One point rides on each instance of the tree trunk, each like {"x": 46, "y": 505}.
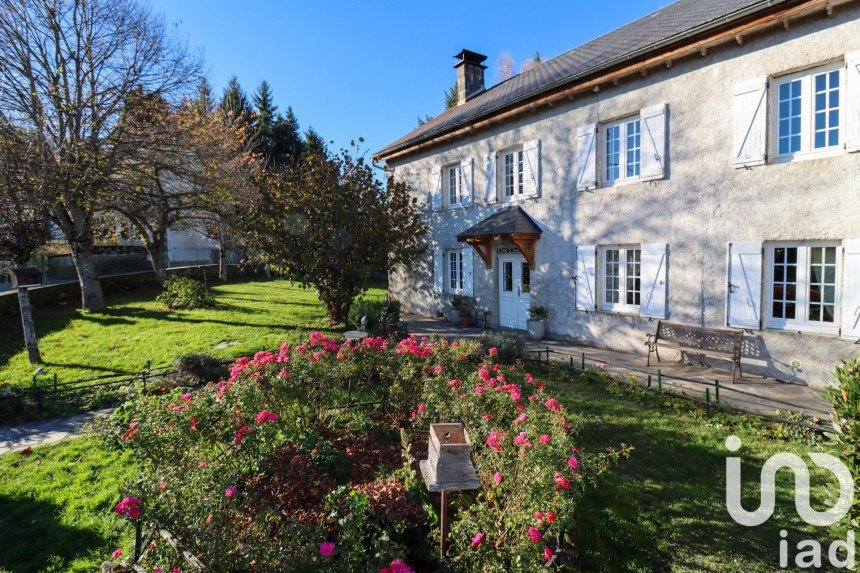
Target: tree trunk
{"x": 30, "y": 340}
{"x": 92, "y": 297}
{"x": 155, "y": 247}
{"x": 222, "y": 257}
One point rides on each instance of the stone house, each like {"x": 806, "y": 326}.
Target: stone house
{"x": 699, "y": 165}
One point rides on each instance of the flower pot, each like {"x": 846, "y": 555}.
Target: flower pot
{"x": 536, "y": 329}
{"x": 454, "y": 315}
{"x": 465, "y": 320}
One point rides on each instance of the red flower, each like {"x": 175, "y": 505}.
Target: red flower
{"x": 240, "y": 435}
{"x": 131, "y": 431}
{"x": 560, "y": 481}
{"x": 547, "y": 553}
{"x": 266, "y": 416}
{"x": 129, "y": 507}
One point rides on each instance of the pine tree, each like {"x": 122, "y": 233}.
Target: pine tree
{"x": 314, "y": 143}
{"x": 234, "y": 102}
{"x": 264, "y": 122}
{"x": 203, "y": 102}
{"x": 451, "y": 96}
{"x": 288, "y": 139}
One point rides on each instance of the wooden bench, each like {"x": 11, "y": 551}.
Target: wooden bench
{"x": 715, "y": 342}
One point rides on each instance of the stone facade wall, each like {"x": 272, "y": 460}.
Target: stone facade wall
{"x": 702, "y": 204}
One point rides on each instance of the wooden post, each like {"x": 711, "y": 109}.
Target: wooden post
{"x": 583, "y": 360}
{"x": 30, "y": 340}
{"x": 443, "y": 524}
{"x": 708, "y": 400}
{"x": 649, "y": 381}
{"x": 717, "y": 390}
{"x": 659, "y": 381}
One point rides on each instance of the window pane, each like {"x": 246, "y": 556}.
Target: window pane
{"x": 784, "y": 277}
{"x": 508, "y": 272}
{"x": 452, "y": 271}
{"x": 826, "y": 110}
{"x": 634, "y": 259}
{"x": 612, "y": 276}
{"x": 822, "y": 283}
{"x": 789, "y": 117}
{"x": 613, "y": 152}
{"x": 526, "y": 277}
{"x": 519, "y": 172}
{"x": 633, "y": 148}
{"x": 509, "y": 174}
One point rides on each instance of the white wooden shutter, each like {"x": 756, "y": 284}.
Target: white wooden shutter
{"x": 653, "y": 142}
{"x": 531, "y": 152}
{"x": 653, "y": 272}
{"x": 586, "y": 261}
{"x": 436, "y": 188}
{"x": 490, "y": 177}
{"x": 743, "y": 301}
{"x": 467, "y": 173}
{"x": 586, "y": 157}
{"x": 850, "y": 301}
{"x": 749, "y": 139}
{"x": 468, "y": 264}
{"x": 439, "y": 271}
{"x": 852, "y": 102}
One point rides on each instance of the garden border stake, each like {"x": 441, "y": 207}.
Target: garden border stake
{"x": 659, "y": 380}
{"x": 443, "y": 524}
{"x": 55, "y": 384}
{"x": 649, "y": 381}
{"x": 138, "y": 538}
{"x": 708, "y": 400}
{"x": 717, "y": 390}
{"x": 145, "y": 374}
{"x": 571, "y": 362}
{"x": 583, "y": 360}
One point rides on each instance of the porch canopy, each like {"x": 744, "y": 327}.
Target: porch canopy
{"x": 512, "y": 224}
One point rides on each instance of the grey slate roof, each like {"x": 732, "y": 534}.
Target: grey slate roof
{"x": 502, "y": 222}
{"x": 646, "y": 34}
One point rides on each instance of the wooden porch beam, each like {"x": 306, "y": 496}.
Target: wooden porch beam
{"x": 526, "y": 244}
{"x": 484, "y": 248}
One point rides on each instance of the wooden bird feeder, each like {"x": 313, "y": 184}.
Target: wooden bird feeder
{"x": 448, "y": 467}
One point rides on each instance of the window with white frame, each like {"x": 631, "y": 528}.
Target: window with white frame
{"x": 622, "y": 278}
{"x": 454, "y": 271}
{"x": 809, "y": 111}
{"x": 512, "y": 173}
{"x": 622, "y": 150}
{"x": 452, "y": 179}
{"x": 803, "y": 286}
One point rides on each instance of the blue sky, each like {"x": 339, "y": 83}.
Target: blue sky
{"x": 368, "y": 69}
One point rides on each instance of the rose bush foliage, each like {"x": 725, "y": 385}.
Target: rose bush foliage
{"x": 204, "y": 454}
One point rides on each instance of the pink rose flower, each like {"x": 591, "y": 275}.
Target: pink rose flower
{"x": 266, "y": 416}
{"x": 497, "y": 478}
{"x": 202, "y": 464}
{"x": 520, "y": 419}
{"x": 573, "y": 463}
{"x": 544, "y": 439}
{"x": 162, "y": 485}
{"x": 117, "y": 553}
{"x": 422, "y": 408}
{"x": 240, "y": 435}
{"x": 186, "y": 396}
{"x": 494, "y": 440}
{"x": 454, "y": 383}
{"x": 522, "y": 440}
{"x": 560, "y": 481}
{"x": 230, "y": 491}
{"x": 438, "y": 369}
{"x": 326, "y": 548}
{"x": 479, "y": 390}
{"x": 129, "y": 507}
{"x": 493, "y": 351}
{"x": 488, "y": 417}
{"x": 534, "y": 534}
{"x": 553, "y": 405}
{"x": 477, "y": 539}
{"x": 538, "y": 515}
{"x": 550, "y": 516}
{"x": 547, "y": 553}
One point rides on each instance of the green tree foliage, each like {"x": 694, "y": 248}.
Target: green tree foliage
{"x": 331, "y": 221}
{"x": 204, "y": 101}
{"x": 234, "y": 102}
{"x": 451, "y": 97}
{"x": 314, "y": 143}
{"x": 275, "y": 137}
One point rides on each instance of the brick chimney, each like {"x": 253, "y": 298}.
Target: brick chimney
{"x": 470, "y": 75}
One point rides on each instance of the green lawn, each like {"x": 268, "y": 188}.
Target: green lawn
{"x": 660, "y": 510}
{"x": 56, "y": 507}
{"x": 663, "y": 508}
{"x": 256, "y": 314}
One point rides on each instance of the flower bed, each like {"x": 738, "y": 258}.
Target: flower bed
{"x": 267, "y": 470}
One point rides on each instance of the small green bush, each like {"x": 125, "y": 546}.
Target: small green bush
{"x": 382, "y": 316}
{"x": 183, "y": 292}
{"x": 845, "y": 399}
{"x": 510, "y": 345}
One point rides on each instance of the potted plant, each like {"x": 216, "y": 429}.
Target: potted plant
{"x": 537, "y": 322}
{"x": 461, "y": 310}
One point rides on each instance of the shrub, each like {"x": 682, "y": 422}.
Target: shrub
{"x": 537, "y": 313}
{"x": 845, "y": 399}
{"x": 252, "y": 473}
{"x": 510, "y": 345}
{"x": 382, "y": 316}
{"x": 185, "y": 293}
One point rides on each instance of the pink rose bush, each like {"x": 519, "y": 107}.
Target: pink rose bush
{"x": 216, "y": 448}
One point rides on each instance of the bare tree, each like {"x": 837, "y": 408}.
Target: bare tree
{"x": 24, "y": 224}
{"x": 66, "y": 70}
{"x": 505, "y": 67}
{"x": 531, "y": 63}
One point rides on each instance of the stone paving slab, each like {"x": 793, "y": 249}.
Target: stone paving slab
{"x": 751, "y": 393}
{"x": 16, "y": 438}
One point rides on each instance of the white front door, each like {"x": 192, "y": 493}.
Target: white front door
{"x": 514, "y": 291}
